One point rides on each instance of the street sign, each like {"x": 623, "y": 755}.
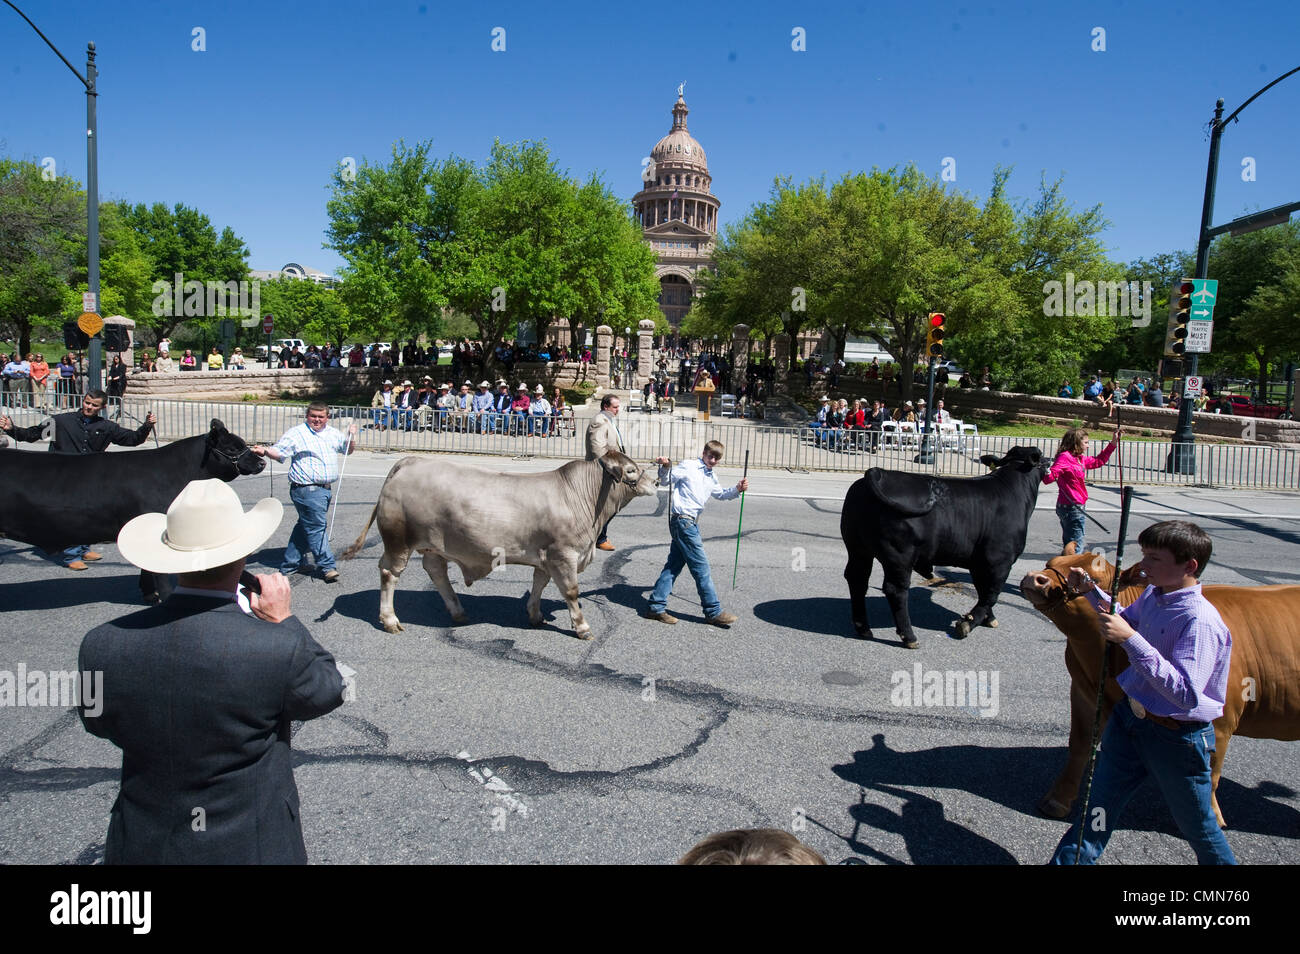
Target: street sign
{"x": 268, "y": 325}
{"x": 1204, "y": 293}
{"x": 1199, "y": 334}
{"x": 88, "y": 301}
{"x": 90, "y": 323}
{"x": 1193, "y": 386}
{"x": 227, "y": 328}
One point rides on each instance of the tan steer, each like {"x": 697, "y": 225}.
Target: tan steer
{"x": 1263, "y": 680}
{"x": 478, "y": 519}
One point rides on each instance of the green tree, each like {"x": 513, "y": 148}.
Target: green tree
{"x": 42, "y": 227}
{"x": 1252, "y": 333}
{"x": 183, "y": 241}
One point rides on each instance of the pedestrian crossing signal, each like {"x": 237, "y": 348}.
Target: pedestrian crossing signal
{"x": 934, "y": 340}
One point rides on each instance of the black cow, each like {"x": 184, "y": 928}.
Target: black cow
{"x": 54, "y": 501}
{"x": 912, "y": 521}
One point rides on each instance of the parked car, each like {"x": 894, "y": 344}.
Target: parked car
{"x": 1242, "y": 406}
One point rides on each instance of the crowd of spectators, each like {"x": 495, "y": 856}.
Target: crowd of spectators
{"x": 473, "y": 409}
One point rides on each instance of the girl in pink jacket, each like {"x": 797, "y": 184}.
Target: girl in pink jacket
{"x": 1071, "y": 491}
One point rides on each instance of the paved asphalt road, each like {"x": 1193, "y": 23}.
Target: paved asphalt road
{"x": 494, "y": 742}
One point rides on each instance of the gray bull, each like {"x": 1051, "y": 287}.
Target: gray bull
{"x": 477, "y": 519}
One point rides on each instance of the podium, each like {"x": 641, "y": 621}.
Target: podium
{"x": 703, "y": 393}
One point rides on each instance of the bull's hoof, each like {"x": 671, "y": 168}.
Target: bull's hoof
{"x": 961, "y": 629}
{"x": 863, "y": 630}
{"x": 909, "y": 640}
{"x": 1052, "y": 808}
{"x": 460, "y": 620}
{"x": 535, "y": 622}
{"x": 153, "y": 599}
{"x": 584, "y": 634}
{"x": 991, "y": 623}
{"x": 393, "y": 627}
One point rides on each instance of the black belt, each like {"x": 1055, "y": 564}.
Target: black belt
{"x": 326, "y": 486}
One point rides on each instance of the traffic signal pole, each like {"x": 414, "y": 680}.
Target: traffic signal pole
{"x": 1183, "y": 458}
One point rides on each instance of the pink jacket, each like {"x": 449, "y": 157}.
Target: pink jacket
{"x": 1068, "y": 470}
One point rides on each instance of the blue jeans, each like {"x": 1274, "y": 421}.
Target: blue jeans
{"x": 71, "y": 554}
{"x": 1071, "y": 517}
{"x": 1179, "y": 761}
{"x": 309, "y": 534}
{"x": 686, "y": 550}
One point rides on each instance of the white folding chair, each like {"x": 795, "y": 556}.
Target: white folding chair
{"x": 728, "y": 405}
{"x": 890, "y": 435}
{"x": 968, "y": 438}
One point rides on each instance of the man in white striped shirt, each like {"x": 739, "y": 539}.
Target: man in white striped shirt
{"x": 691, "y": 484}
{"x": 313, "y": 447}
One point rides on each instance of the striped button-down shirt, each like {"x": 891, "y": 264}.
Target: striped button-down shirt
{"x": 1178, "y": 660}
{"x": 314, "y": 457}
{"x": 692, "y": 485}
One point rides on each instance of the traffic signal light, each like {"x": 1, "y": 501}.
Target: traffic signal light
{"x": 1180, "y": 306}
{"x": 934, "y": 340}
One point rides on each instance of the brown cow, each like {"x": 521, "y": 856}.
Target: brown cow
{"x": 1263, "y": 698}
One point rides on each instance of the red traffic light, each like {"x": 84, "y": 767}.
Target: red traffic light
{"x": 937, "y": 320}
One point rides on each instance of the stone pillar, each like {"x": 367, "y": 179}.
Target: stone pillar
{"x": 644, "y": 350}
{"x": 604, "y": 339}
{"x": 781, "y": 384}
{"x": 739, "y": 355}
{"x": 128, "y": 356}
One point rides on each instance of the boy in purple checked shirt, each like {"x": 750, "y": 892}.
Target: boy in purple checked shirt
{"x": 1175, "y": 686}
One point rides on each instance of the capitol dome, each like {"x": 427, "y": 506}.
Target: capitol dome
{"x": 678, "y": 214}
{"x": 679, "y": 148}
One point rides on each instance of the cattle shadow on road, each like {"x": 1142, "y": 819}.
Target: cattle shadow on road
{"x": 1015, "y": 777}
{"x": 63, "y": 591}
{"x": 424, "y": 607}
{"x": 831, "y": 616}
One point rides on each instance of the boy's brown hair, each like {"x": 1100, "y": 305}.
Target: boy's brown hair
{"x": 713, "y": 447}
{"x": 752, "y": 846}
{"x": 1185, "y": 540}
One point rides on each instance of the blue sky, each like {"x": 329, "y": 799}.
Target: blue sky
{"x": 250, "y": 129}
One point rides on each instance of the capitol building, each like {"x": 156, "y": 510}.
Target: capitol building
{"x": 678, "y": 214}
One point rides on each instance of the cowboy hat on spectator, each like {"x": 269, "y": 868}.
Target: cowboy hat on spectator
{"x": 205, "y": 527}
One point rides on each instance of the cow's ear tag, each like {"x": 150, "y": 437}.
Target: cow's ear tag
{"x": 1098, "y": 564}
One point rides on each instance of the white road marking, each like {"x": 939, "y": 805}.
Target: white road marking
{"x": 496, "y": 785}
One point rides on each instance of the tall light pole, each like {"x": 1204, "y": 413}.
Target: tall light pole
{"x": 92, "y": 187}
{"x": 1182, "y": 459}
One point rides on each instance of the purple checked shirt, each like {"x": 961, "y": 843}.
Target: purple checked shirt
{"x": 1178, "y": 660}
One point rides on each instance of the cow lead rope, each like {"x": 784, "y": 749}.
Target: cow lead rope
{"x": 1126, "y": 497}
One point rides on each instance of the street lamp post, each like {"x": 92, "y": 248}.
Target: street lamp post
{"x": 1183, "y": 457}
{"x": 92, "y": 187}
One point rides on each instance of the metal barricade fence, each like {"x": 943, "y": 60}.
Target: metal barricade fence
{"x": 647, "y": 436}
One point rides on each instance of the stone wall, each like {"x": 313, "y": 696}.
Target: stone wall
{"x": 358, "y": 383}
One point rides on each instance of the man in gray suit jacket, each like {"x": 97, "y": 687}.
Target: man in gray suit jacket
{"x": 603, "y": 435}
{"x": 199, "y": 695}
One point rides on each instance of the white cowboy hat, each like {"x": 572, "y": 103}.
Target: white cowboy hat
{"x": 484, "y": 384}
{"x": 388, "y": 383}
{"x": 522, "y": 387}
{"x": 406, "y": 383}
{"x": 205, "y": 527}
{"x": 539, "y": 390}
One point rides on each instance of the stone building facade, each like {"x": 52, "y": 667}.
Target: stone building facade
{"x": 678, "y": 213}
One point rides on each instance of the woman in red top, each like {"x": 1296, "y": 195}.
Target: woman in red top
{"x": 1071, "y": 491}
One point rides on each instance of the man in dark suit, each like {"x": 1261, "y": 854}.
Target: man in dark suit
{"x": 199, "y": 695}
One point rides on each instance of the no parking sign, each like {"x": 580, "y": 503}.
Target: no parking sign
{"x": 1193, "y": 386}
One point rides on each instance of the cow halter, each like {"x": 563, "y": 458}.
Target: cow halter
{"x": 211, "y": 448}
